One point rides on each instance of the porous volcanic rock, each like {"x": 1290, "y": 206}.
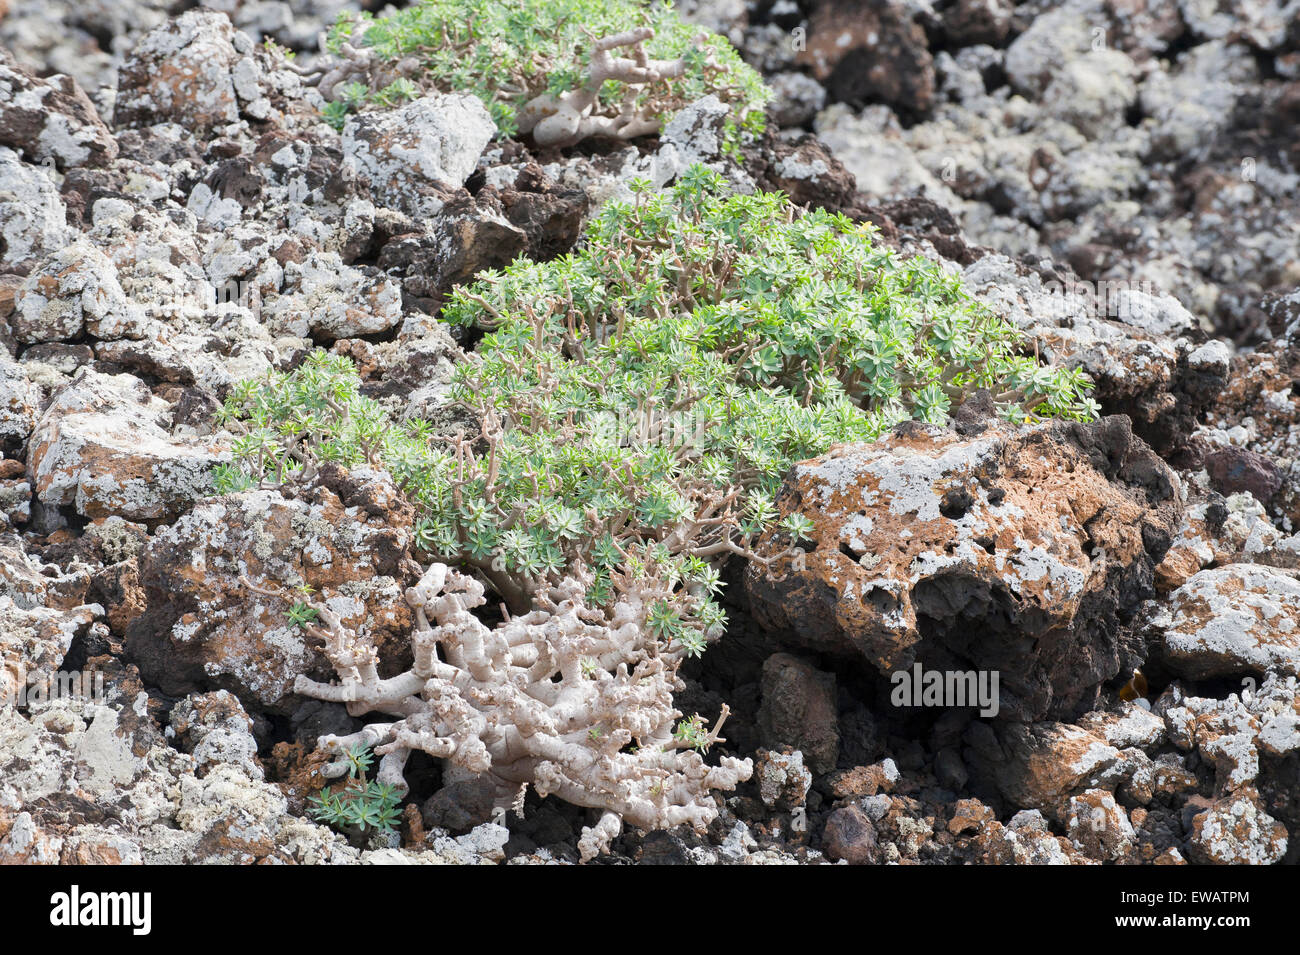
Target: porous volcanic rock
{"x": 463, "y": 239}
{"x": 849, "y": 835}
{"x": 326, "y": 298}
{"x": 1018, "y": 551}
{"x": 73, "y": 291}
{"x": 1099, "y": 827}
{"x": 19, "y": 401}
{"x": 1025, "y": 840}
{"x": 1219, "y": 531}
{"x": 88, "y": 783}
{"x": 1226, "y": 621}
{"x": 1237, "y": 831}
{"x": 34, "y": 641}
{"x": 870, "y": 52}
{"x": 1122, "y": 339}
{"x": 33, "y": 218}
{"x": 1042, "y": 765}
{"x": 102, "y": 448}
{"x": 51, "y": 119}
{"x": 205, "y": 629}
{"x": 783, "y": 780}
{"x": 195, "y": 70}
{"x": 32, "y": 583}
{"x": 1249, "y": 438}
{"x": 799, "y": 710}
{"x": 406, "y": 154}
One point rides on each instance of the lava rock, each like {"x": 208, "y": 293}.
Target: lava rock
{"x": 850, "y": 836}
{"x": 798, "y": 710}
{"x": 1013, "y": 551}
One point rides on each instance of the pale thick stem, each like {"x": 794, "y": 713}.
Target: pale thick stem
{"x": 572, "y": 701}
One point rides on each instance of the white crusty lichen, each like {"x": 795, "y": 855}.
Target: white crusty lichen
{"x": 573, "y": 700}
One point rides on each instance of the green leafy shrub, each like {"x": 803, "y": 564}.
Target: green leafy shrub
{"x": 525, "y": 52}
{"x": 357, "y": 805}
{"x": 302, "y": 614}
{"x": 642, "y": 399}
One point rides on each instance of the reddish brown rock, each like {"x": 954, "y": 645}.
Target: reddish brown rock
{"x": 99, "y": 848}
{"x": 1099, "y": 827}
{"x": 799, "y": 710}
{"x": 849, "y": 835}
{"x": 864, "y": 780}
{"x": 1231, "y": 620}
{"x": 1217, "y": 531}
{"x": 26, "y": 843}
{"x": 299, "y": 772}
{"x": 1041, "y": 765}
{"x": 118, "y": 588}
{"x": 100, "y": 448}
{"x": 808, "y": 172}
{"x": 1233, "y": 469}
{"x": 870, "y": 52}
{"x": 1025, "y": 840}
{"x": 182, "y": 72}
{"x": 467, "y": 236}
{"x": 971, "y": 22}
{"x": 204, "y": 628}
{"x": 1236, "y": 830}
{"x": 969, "y": 815}
{"x": 1013, "y": 551}
{"x": 551, "y": 217}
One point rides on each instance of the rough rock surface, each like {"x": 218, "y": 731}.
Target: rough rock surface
{"x": 205, "y": 628}
{"x": 783, "y": 780}
{"x": 73, "y": 292}
{"x": 51, "y": 119}
{"x": 1016, "y": 551}
{"x": 405, "y": 154}
{"x": 102, "y": 448}
{"x": 33, "y": 219}
{"x": 19, "y": 402}
{"x": 33, "y": 642}
{"x": 1141, "y": 349}
{"x": 195, "y": 70}
{"x": 1219, "y": 530}
{"x": 849, "y": 835}
{"x": 799, "y": 710}
{"x": 1070, "y": 131}
{"x": 95, "y": 784}
{"x": 1227, "y": 621}
{"x": 333, "y": 300}
{"x": 1235, "y": 831}
{"x": 870, "y": 52}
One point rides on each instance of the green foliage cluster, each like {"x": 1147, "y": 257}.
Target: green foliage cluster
{"x": 302, "y": 614}
{"x": 642, "y": 399}
{"x": 356, "y": 804}
{"x": 509, "y": 53}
